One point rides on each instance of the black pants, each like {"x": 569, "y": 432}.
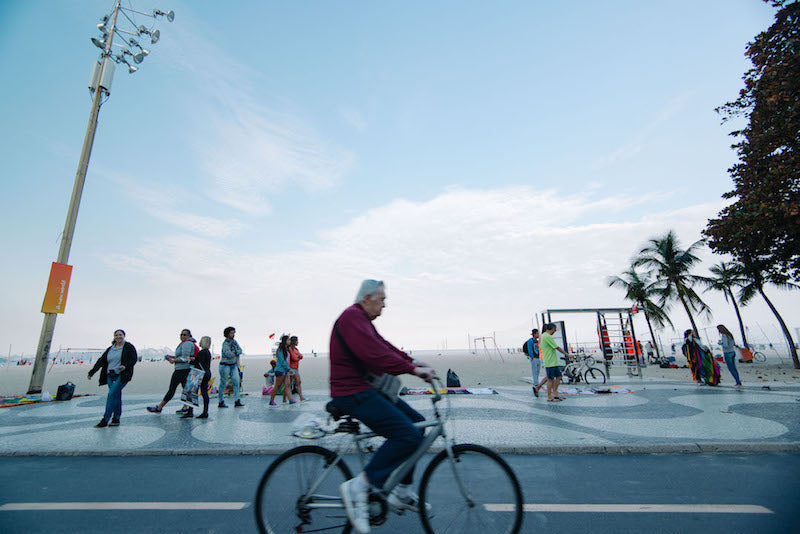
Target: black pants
{"x": 179, "y": 376}
{"x": 204, "y": 390}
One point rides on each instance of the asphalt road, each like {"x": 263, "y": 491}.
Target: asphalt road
{"x": 564, "y": 493}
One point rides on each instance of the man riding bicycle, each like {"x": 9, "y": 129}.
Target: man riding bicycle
{"x": 356, "y": 349}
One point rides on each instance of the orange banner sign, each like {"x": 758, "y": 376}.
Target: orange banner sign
{"x": 55, "y": 299}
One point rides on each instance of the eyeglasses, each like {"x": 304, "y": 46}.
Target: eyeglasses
{"x": 184, "y": 334}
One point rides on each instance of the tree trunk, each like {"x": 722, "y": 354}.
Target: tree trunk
{"x": 792, "y": 349}
{"x": 739, "y": 316}
{"x": 691, "y": 319}
{"x": 652, "y": 336}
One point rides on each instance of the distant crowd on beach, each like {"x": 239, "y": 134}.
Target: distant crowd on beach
{"x": 117, "y": 362}
{"x": 542, "y": 350}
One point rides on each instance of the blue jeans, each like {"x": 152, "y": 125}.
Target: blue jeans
{"x": 536, "y": 365}
{"x": 730, "y": 361}
{"x": 395, "y": 422}
{"x": 114, "y": 398}
{"x": 226, "y": 372}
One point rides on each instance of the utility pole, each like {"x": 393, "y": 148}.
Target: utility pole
{"x": 102, "y": 74}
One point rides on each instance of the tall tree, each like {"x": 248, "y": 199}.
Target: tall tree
{"x": 641, "y": 292}
{"x": 754, "y": 284}
{"x": 671, "y": 267}
{"x": 763, "y": 224}
{"x": 727, "y": 277}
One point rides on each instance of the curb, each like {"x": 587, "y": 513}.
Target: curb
{"x": 663, "y": 448}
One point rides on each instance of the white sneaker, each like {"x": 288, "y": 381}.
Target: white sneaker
{"x": 355, "y": 504}
{"x": 409, "y": 502}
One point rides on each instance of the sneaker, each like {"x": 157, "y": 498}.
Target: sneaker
{"x": 238, "y": 404}
{"x": 102, "y": 424}
{"x": 409, "y": 502}
{"x": 536, "y": 391}
{"x": 292, "y": 401}
{"x": 154, "y": 409}
{"x": 114, "y": 422}
{"x": 355, "y": 504}
{"x": 273, "y": 403}
{"x": 188, "y": 414}
{"x": 203, "y": 416}
{"x": 222, "y": 405}
{"x": 182, "y": 410}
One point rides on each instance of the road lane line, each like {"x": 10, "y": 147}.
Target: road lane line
{"x": 638, "y": 508}
{"x": 123, "y": 506}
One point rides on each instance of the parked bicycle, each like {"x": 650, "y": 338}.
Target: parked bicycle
{"x": 582, "y": 368}
{"x": 464, "y": 486}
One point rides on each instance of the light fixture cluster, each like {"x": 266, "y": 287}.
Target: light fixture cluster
{"x": 109, "y": 27}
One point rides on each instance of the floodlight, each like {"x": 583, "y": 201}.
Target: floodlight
{"x": 155, "y": 36}
{"x": 102, "y": 27}
{"x": 138, "y": 58}
{"x": 169, "y": 14}
{"x": 131, "y": 69}
{"x": 98, "y": 43}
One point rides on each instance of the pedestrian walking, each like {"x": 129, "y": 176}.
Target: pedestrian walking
{"x": 116, "y": 370}
{"x": 184, "y": 355}
{"x": 229, "y": 367}
{"x": 202, "y": 362}
{"x": 294, "y": 367}
{"x": 549, "y": 349}
{"x": 534, "y": 355}
{"x": 729, "y": 353}
{"x": 282, "y": 373}
{"x": 705, "y": 370}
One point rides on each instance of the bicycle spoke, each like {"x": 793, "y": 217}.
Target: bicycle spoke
{"x": 452, "y": 511}
{"x": 292, "y": 488}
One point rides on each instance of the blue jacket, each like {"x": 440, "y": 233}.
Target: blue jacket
{"x": 230, "y": 352}
{"x": 184, "y": 352}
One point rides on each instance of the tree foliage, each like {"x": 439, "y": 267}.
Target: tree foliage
{"x": 763, "y": 224}
{"x": 671, "y": 266}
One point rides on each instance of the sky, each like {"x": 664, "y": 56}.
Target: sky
{"x": 487, "y": 160}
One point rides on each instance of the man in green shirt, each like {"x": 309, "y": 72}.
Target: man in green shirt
{"x": 550, "y": 351}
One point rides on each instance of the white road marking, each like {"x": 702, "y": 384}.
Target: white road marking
{"x": 123, "y": 506}
{"x": 638, "y": 508}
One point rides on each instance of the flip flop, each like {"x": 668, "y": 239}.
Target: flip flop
{"x": 535, "y": 392}
{"x": 559, "y": 398}
{"x": 554, "y": 400}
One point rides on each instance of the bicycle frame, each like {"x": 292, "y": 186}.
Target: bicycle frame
{"x": 437, "y": 430}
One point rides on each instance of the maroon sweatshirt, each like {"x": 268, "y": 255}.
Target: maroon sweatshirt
{"x": 375, "y": 354}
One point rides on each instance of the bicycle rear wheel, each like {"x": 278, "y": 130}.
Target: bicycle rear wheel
{"x": 593, "y": 375}
{"x": 477, "y": 493}
{"x": 284, "y": 502}
{"x": 759, "y": 356}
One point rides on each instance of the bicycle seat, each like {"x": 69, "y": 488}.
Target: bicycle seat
{"x": 335, "y": 412}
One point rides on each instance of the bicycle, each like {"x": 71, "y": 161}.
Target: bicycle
{"x": 463, "y": 485}
{"x": 583, "y": 368}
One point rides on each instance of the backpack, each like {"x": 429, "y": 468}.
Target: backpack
{"x": 65, "y": 391}
{"x": 525, "y": 349}
{"x": 452, "y": 379}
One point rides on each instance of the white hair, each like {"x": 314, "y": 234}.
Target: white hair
{"x": 369, "y": 287}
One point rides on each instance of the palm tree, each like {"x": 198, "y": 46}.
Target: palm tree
{"x": 670, "y": 266}
{"x": 728, "y": 275}
{"x": 754, "y": 284}
{"x": 640, "y": 291}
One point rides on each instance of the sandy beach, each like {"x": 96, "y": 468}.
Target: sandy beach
{"x": 473, "y": 370}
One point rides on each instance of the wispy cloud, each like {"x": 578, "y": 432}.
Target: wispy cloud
{"x": 163, "y": 203}
{"x": 450, "y": 261}
{"x": 638, "y": 140}
{"x": 249, "y": 150}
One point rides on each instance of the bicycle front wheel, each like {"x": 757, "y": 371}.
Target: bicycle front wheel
{"x": 299, "y": 492}
{"x": 759, "y": 356}
{"x": 593, "y": 375}
{"x": 478, "y": 492}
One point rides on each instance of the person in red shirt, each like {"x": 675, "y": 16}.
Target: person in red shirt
{"x": 294, "y": 366}
{"x": 356, "y": 348}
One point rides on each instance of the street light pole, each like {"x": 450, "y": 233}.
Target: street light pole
{"x": 49, "y": 322}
